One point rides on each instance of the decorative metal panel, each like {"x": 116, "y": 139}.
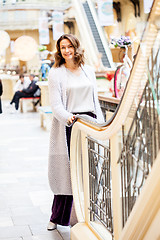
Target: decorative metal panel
{"x": 100, "y": 183}
{"x": 142, "y": 143}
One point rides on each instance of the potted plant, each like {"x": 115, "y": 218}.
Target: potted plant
{"x": 120, "y": 47}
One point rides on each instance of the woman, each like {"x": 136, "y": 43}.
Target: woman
{"x": 1, "y": 91}
{"x": 72, "y": 90}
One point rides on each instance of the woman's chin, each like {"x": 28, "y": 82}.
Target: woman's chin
{"x": 69, "y": 57}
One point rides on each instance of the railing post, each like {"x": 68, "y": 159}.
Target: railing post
{"x": 85, "y": 176}
{"x": 116, "y": 193}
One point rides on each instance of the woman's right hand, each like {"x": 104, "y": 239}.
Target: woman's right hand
{"x": 71, "y": 119}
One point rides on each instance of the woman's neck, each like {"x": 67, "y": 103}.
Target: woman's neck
{"x": 71, "y": 65}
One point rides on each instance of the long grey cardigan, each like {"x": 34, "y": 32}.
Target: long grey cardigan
{"x": 59, "y": 166}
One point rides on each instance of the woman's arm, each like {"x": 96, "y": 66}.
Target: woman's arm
{"x": 55, "y": 96}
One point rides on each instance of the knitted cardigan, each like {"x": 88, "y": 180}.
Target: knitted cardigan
{"x": 58, "y": 164}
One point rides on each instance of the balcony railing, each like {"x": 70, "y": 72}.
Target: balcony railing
{"x": 35, "y": 4}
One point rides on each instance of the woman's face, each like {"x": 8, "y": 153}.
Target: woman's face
{"x": 67, "y": 49}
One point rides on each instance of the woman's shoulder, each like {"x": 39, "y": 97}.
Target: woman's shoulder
{"x": 56, "y": 74}
{"x": 54, "y": 71}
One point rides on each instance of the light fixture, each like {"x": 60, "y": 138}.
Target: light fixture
{"x": 25, "y": 48}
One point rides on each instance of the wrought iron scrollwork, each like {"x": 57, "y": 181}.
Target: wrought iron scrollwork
{"x": 142, "y": 143}
{"x": 100, "y": 183}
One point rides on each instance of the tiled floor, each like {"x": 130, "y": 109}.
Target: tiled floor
{"x": 25, "y": 196}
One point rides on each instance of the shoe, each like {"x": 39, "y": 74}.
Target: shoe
{"x": 51, "y": 226}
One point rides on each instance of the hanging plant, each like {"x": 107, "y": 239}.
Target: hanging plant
{"x": 122, "y": 41}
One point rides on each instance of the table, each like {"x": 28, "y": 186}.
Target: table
{"x": 43, "y": 85}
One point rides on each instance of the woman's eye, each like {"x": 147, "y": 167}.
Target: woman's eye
{"x": 70, "y": 46}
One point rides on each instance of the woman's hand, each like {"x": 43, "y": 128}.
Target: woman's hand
{"x": 71, "y": 119}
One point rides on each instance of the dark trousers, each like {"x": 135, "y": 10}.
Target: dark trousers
{"x": 62, "y": 204}
{"x": 61, "y": 209}
{"x": 17, "y": 97}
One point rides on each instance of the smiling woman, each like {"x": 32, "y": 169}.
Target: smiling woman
{"x": 72, "y": 91}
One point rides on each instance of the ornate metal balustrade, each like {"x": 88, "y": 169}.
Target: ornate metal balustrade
{"x": 141, "y": 145}
{"x": 100, "y": 183}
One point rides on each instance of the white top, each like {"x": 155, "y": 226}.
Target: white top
{"x": 20, "y": 86}
{"x": 58, "y": 163}
{"x": 79, "y": 93}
